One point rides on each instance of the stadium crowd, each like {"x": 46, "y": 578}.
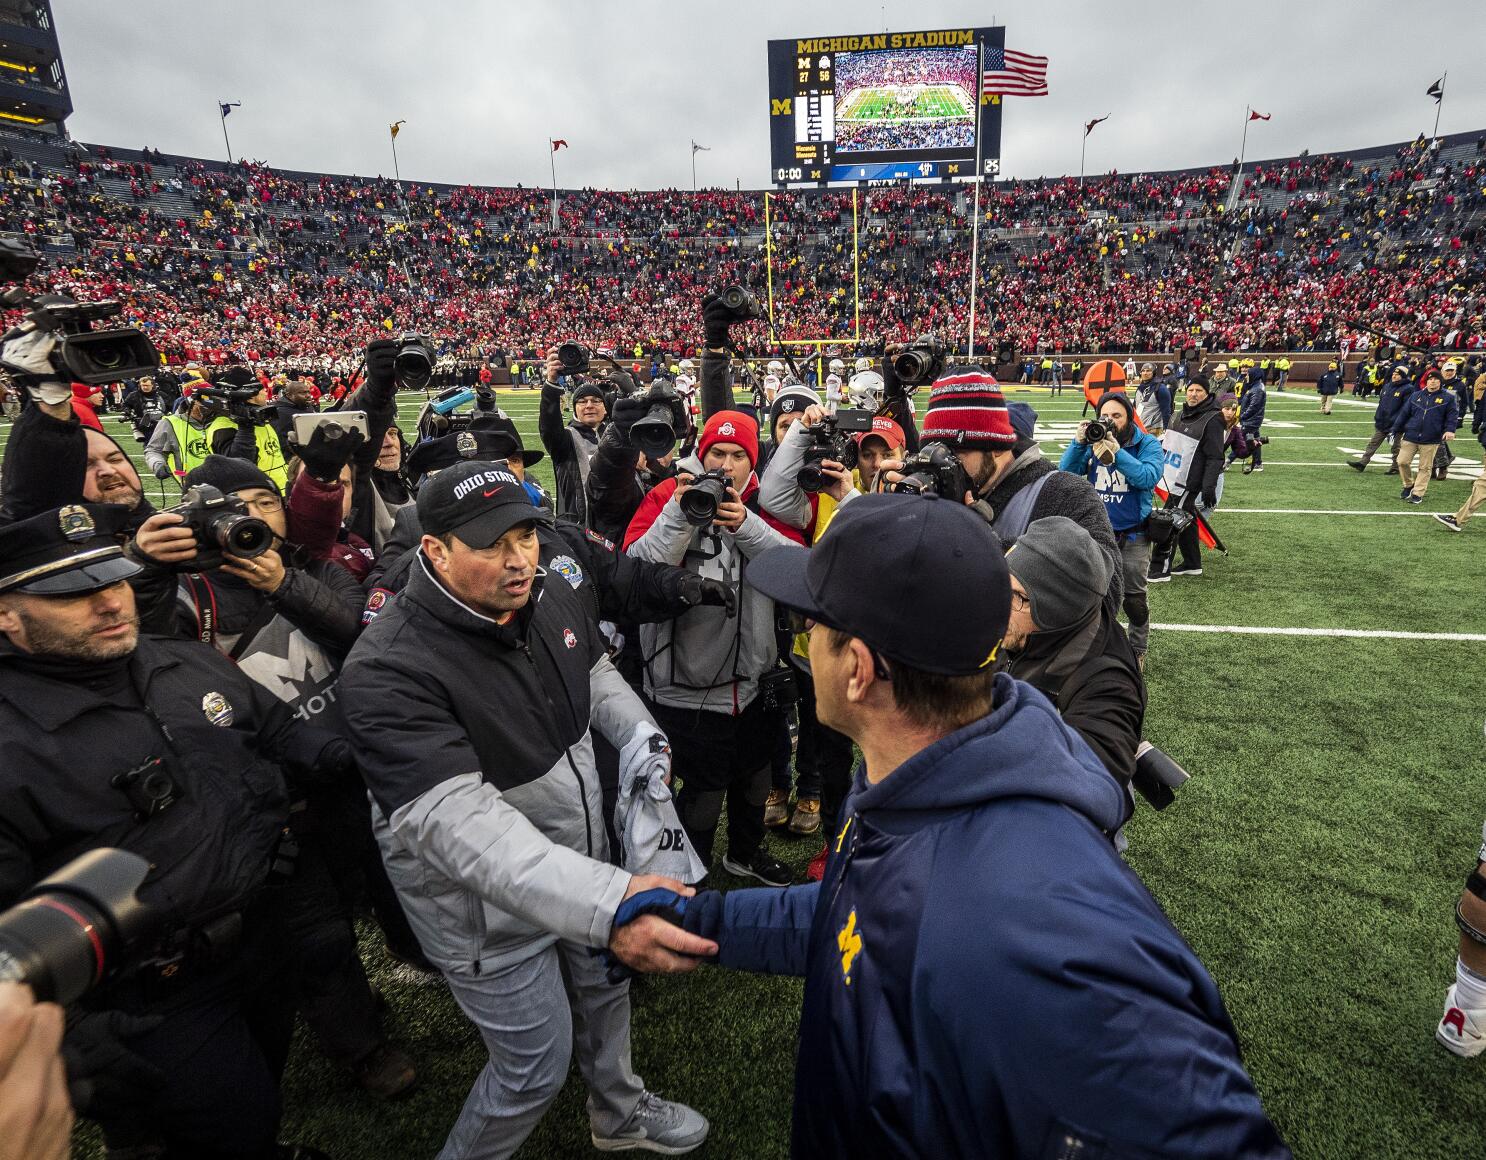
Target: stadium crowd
{"x": 246, "y": 263}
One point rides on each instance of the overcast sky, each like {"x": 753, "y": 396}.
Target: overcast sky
{"x": 628, "y": 84}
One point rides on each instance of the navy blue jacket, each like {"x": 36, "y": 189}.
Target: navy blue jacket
{"x": 1330, "y": 383}
{"x": 984, "y": 976}
{"x": 1392, "y": 400}
{"x": 1251, "y": 406}
{"x": 1427, "y": 416}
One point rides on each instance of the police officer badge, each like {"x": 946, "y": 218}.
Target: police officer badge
{"x": 466, "y": 445}
{"x": 76, "y": 523}
{"x": 568, "y": 568}
{"x": 218, "y": 709}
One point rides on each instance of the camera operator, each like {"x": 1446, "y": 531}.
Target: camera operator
{"x": 1193, "y": 478}
{"x": 571, "y": 446}
{"x": 1153, "y": 399}
{"x": 620, "y": 474}
{"x": 143, "y": 408}
{"x": 181, "y": 441}
{"x": 485, "y": 806}
{"x": 703, "y": 670}
{"x": 167, "y": 750}
{"x": 973, "y": 800}
{"x": 1123, "y": 464}
{"x": 294, "y": 399}
{"x": 1005, "y": 475}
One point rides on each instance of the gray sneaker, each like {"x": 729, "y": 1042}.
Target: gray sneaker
{"x": 657, "y": 1125}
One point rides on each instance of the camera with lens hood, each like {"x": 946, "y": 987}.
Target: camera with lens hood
{"x": 412, "y": 366}
{"x": 934, "y": 469}
{"x": 742, "y": 304}
{"x": 832, "y": 439}
{"x": 222, "y": 526}
{"x": 700, "y": 501}
{"x": 1096, "y": 430}
{"x": 574, "y": 358}
{"x": 654, "y": 433}
{"x": 70, "y": 931}
{"x": 922, "y": 362}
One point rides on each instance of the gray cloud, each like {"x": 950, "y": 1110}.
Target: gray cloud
{"x": 484, "y": 83}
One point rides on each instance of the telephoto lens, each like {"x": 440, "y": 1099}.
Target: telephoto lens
{"x": 741, "y": 303}
{"x": 413, "y": 365}
{"x": 72, "y": 928}
{"x": 574, "y": 358}
{"x": 699, "y": 502}
{"x": 1157, "y": 776}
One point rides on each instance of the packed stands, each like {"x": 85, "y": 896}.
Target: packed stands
{"x": 223, "y": 263}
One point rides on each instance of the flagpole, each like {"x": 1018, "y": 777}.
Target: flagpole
{"x": 407, "y": 218}
{"x": 223, "y": 106}
{"x": 693, "y": 167}
{"x": 980, "y": 84}
{"x": 1244, "y": 145}
{"x": 1082, "y": 153}
{"x": 1438, "y": 105}
{"x": 552, "y": 158}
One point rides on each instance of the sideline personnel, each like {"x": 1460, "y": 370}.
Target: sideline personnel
{"x": 1074, "y": 1021}
{"x": 471, "y": 701}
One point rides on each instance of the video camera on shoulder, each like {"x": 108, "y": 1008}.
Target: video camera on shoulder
{"x": 922, "y": 362}
{"x": 832, "y": 439}
{"x": 934, "y": 469}
{"x": 56, "y": 339}
{"x": 222, "y": 527}
{"x": 71, "y": 929}
{"x": 233, "y": 401}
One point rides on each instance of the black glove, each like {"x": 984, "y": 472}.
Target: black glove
{"x": 163, "y": 471}
{"x": 697, "y": 590}
{"x": 623, "y": 383}
{"x": 716, "y": 318}
{"x": 104, "y": 1078}
{"x": 381, "y": 377}
{"x": 626, "y": 413}
{"x": 329, "y": 450}
{"x": 1209, "y": 499}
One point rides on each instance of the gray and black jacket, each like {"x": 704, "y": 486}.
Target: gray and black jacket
{"x": 474, "y": 739}
{"x": 571, "y": 447}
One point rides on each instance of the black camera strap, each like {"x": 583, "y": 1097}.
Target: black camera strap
{"x": 207, "y": 617}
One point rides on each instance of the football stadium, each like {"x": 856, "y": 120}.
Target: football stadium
{"x": 500, "y": 669}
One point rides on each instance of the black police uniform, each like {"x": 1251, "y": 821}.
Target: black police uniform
{"x": 173, "y": 754}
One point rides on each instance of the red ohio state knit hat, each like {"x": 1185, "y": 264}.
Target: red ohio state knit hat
{"x": 967, "y": 409}
{"x": 730, "y": 427}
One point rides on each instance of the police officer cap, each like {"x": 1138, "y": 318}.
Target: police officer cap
{"x": 487, "y": 437}
{"x": 68, "y": 551}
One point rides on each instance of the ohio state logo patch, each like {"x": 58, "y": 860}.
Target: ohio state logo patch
{"x": 727, "y": 429}
{"x": 569, "y": 638}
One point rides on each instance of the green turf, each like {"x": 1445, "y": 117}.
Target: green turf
{"x": 882, "y": 104}
{"x": 1312, "y": 861}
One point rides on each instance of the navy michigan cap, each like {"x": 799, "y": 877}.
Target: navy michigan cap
{"x": 67, "y": 551}
{"x": 920, "y": 579}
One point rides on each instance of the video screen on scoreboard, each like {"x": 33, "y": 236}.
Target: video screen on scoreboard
{"x": 881, "y": 106}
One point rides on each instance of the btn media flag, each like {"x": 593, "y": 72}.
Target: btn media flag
{"x": 1013, "y": 74}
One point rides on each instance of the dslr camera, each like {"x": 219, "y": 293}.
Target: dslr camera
{"x": 413, "y": 364}
{"x": 922, "y": 362}
{"x": 654, "y": 434}
{"x": 574, "y": 358}
{"x": 1095, "y": 431}
{"x": 741, "y": 303}
{"x": 832, "y": 439}
{"x": 934, "y": 469}
{"x": 233, "y": 402}
{"x": 68, "y": 932}
{"x": 699, "y": 502}
{"x": 222, "y": 527}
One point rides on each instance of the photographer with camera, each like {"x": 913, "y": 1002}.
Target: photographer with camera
{"x": 722, "y": 310}
{"x": 971, "y": 451}
{"x": 974, "y": 913}
{"x": 627, "y": 464}
{"x": 1153, "y": 398}
{"x": 1193, "y": 478}
{"x": 295, "y": 398}
{"x": 703, "y": 670}
{"x": 144, "y": 407}
{"x": 1124, "y": 465}
{"x": 182, "y": 440}
{"x": 571, "y": 445}
{"x": 170, "y": 751}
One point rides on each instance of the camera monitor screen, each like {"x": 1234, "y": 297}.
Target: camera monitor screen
{"x": 884, "y": 106}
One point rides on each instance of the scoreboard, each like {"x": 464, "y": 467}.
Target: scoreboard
{"x": 882, "y": 106}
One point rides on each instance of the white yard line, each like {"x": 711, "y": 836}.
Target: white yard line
{"x": 1228, "y": 511}
{"x": 1358, "y": 633}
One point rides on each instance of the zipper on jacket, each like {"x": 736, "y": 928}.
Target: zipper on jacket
{"x": 566, "y": 752}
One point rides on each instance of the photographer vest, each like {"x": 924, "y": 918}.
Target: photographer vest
{"x": 194, "y": 443}
{"x": 1179, "y": 444}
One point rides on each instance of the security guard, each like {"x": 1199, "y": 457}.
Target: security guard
{"x": 164, "y": 748}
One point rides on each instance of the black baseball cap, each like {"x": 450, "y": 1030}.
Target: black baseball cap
{"x": 67, "y": 551}
{"x": 920, "y": 579}
{"x": 479, "y": 502}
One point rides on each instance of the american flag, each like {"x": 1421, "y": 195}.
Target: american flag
{"x": 1014, "y": 74}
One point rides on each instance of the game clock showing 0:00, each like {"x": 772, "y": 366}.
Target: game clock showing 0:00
{"x": 885, "y": 106}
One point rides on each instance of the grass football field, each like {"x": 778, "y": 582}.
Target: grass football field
{"x": 1313, "y": 861}
{"x": 882, "y": 104}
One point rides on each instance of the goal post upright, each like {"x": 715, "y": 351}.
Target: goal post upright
{"x": 856, "y": 280}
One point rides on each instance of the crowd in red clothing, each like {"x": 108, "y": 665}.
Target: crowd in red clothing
{"x": 250, "y": 263}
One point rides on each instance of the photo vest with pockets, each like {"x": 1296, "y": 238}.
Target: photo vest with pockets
{"x": 194, "y": 443}
{"x": 1179, "y": 443}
